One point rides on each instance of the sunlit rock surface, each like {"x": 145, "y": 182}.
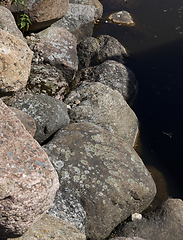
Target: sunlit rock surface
{"x": 103, "y": 172}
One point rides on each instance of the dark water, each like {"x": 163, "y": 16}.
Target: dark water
{"x": 155, "y": 45}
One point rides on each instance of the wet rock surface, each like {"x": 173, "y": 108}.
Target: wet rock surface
{"x": 28, "y": 181}
{"x": 79, "y": 20}
{"x": 49, "y": 227}
{"x": 113, "y": 74}
{"x": 49, "y": 113}
{"x": 165, "y": 222}
{"x": 122, "y": 17}
{"x": 105, "y": 174}
{"x": 99, "y": 104}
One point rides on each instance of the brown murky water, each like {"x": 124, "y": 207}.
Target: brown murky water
{"x": 155, "y": 45}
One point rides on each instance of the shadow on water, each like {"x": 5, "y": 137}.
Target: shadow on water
{"x": 159, "y": 107}
{"x": 156, "y": 48}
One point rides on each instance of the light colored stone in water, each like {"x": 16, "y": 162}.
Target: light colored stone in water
{"x": 122, "y": 17}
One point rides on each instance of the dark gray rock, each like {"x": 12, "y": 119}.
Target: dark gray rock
{"x": 79, "y": 20}
{"x": 47, "y": 79}
{"x": 50, "y": 114}
{"x": 88, "y": 51}
{"x": 103, "y": 172}
{"x": 69, "y": 209}
{"x": 165, "y": 223}
{"x": 110, "y": 49}
{"x": 98, "y": 6}
{"x": 93, "y": 51}
{"x": 113, "y": 74}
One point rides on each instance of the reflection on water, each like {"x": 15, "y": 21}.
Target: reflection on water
{"x": 155, "y": 45}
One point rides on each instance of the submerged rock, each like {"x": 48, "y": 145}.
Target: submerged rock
{"x": 103, "y": 172}
{"x": 122, "y": 17}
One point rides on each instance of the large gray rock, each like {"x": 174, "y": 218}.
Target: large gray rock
{"x": 103, "y": 172}
{"x": 59, "y": 49}
{"x": 165, "y": 223}
{"x": 88, "y": 51}
{"x": 8, "y": 24}
{"x": 98, "y": 6}
{"x": 49, "y": 227}
{"x": 69, "y": 209}
{"x": 49, "y": 113}
{"x": 28, "y": 181}
{"x": 47, "y": 79}
{"x": 99, "y": 104}
{"x": 93, "y": 51}
{"x": 113, "y": 74}
{"x": 110, "y": 49}
{"x": 42, "y": 13}
{"x": 15, "y": 65}
{"x": 79, "y": 20}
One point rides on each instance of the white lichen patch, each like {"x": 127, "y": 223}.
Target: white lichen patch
{"x": 84, "y": 162}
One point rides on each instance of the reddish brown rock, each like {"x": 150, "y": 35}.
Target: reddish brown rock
{"x": 27, "y": 121}
{"x": 28, "y": 181}
{"x": 43, "y": 13}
